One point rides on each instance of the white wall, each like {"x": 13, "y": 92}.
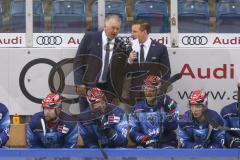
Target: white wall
{"x": 12, "y": 61}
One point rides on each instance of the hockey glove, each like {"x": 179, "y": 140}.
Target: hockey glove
{"x": 235, "y": 143}
{"x": 108, "y": 125}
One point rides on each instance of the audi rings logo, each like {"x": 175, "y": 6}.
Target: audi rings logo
{"x": 49, "y": 40}
{"x": 194, "y": 40}
{"x": 60, "y": 70}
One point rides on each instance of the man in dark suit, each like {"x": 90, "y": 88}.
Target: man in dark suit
{"x": 146, "y": 49}
{"x": 95, "y": 51}
{"x": 149, "y": 55}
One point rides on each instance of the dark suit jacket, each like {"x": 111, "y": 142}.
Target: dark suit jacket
{"x": 91, "y": 49}
{"x": 158, "y": 53}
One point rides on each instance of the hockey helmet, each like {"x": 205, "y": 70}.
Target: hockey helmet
{"x": 52, "y": 101}
{"x": 198, "y": 97}
{"x": 152, "y": 81}
{"x": 95, "y": 95}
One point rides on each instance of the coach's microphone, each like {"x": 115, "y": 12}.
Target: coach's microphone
{"x": 128, "y": 44}
{"x": 136, "y": 60}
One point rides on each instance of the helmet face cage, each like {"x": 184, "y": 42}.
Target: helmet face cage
{"x": 95, "y": 95}
{"x": 52, "y": 101}
{"x": 152, "y": 83}
{"x": 150, "y": 88}
{"x": 198, "y": 97}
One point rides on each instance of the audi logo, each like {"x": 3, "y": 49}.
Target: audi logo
{"x": 118, "y": 71}
{"x": 49, "y": 40}
{"x": 126, "y": 39}
{"x": 194, "y": 40}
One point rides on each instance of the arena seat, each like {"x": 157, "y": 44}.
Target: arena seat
{"x": 17, "y": 16}
{"x": 68, "y": 16}
{"x": 228, "y": 16}
{"x": 112, "y": 7}
{"x": 155, "y": 12}
{"x": 193, "y": 16}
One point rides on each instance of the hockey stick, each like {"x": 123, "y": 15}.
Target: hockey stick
{"x": 175, "y": 77}
{"x": 105, "y": 156}
{"x": 171, "y": 80}
{"x": 215, "y": 124}
{"x": 238, "y": 99}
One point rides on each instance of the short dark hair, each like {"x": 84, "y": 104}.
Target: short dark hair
{"x": 143, "y": 25}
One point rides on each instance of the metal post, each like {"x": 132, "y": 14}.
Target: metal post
{"x": 101, "y": 14}
{"x": 174, "y": 23}
{"x": 29, "y": 23}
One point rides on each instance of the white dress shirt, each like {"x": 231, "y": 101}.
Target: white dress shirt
{"x": 136, "y": 46}
{"x": 104, "y": 43}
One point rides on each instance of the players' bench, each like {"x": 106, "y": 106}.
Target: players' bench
{"x": 17, "y": 137}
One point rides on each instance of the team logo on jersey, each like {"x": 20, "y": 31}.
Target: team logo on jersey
{"x": 63, "y": 129}
{"x": 152, "y": 119}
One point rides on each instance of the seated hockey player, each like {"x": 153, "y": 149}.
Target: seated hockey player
{"x": 231, "y": 117}
{"x": 195, "y": 129}
{"x": 47, "y": 129}
{"x": 108, "y": 128}
{"x": 153, "y": 120}
{"x": 4, "y": 125}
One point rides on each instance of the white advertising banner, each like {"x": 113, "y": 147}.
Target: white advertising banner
{"x": 72, "y": 40}
{"x": 210, "y": 40}
{"x": 57, "y": 40}
{"x": 216, "y": 71}
{"x": 12, "y": 40}
{"x": 25, "y": 75}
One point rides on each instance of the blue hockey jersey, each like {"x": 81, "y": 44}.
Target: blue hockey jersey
{"x": 4, "y": 124}
{"x": 193, "y": 134}
{"x": 62, "y": 135}
{"x": 231, "y": 120}
{"x": 158, "y": 122}
{"x": 94, "y": 136}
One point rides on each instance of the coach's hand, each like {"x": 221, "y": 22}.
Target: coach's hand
{"x": 132, "y": 57}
